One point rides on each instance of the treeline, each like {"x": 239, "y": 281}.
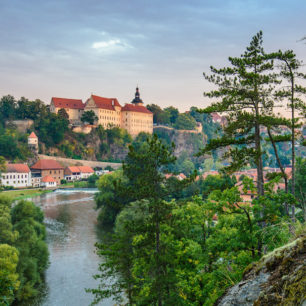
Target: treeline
{"x": 23, "y": 250}
{"x": 180, "y": 242}
{"x": 49, "y": 127}
{"x": 170, "y": 116}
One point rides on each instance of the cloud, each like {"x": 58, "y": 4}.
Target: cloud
{"x": 111, "y": 45}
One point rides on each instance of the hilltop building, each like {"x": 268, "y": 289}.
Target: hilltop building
{"x": 133, "y": 117}
{"x": 73, "y": 107}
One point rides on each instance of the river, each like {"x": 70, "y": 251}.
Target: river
{"x": 70, "y": 221}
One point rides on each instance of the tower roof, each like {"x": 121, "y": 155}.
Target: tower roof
{"x": 33, "y": 135}
{"x": 137, "y": 97}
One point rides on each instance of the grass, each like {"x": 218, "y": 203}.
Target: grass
{"x": 24, "y": 193}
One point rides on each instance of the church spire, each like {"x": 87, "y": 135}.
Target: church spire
{"x": 137, "y": 100}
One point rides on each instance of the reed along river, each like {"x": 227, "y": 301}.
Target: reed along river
{"x": 71, "y": 224}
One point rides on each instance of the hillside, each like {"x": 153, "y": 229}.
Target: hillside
{"x": 279, "y": 278}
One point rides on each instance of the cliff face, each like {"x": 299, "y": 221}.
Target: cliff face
{"x": 279, "y": 278}
{"x": 184, "y": 140}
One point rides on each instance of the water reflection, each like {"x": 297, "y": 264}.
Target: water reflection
{"x": 71, "y": 234}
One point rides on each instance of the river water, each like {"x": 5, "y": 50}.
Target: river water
{"x": 72, "y": 232}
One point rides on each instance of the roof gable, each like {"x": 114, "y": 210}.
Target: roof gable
{"x": 47, "y": 164}
{"x": 105, "y": 103}
{"x": 135, "y": 108}
{"x": 67, "y": 103}
{"x": 33, "y": 135}
{"x": 48, "y": 179}
{"x": 19, "y": 168}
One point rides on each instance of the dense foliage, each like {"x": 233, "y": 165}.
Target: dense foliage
{"x": 182, "y": 242}
{"x": 23, "y": 250}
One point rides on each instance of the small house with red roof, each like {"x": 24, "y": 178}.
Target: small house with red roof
{"x": 73, "y": 107}
{"x": 74, "y": 173}
{"x": 47, "y": 167}
{"x": 48, "y": 182}
{"x": 16, "y": 175}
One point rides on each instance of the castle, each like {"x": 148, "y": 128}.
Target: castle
{"x": 133, "y": 117}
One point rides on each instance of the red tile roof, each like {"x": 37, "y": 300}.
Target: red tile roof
{"x": 135, "y": 108}
{"x": 86, "y": 169}
{"x": 73, "y": 169}
{"x": 68, "y": 103}
{"x": 105, "y": 103}
{"x": 46, "y": 164}
{"x": 48, "y": 179}
{"x": 33, "y": 135}
{"x": 19, "y": 168}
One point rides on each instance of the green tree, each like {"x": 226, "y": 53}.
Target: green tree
{"x": 63, "y": 114}
{"x": 159, "y": 115}
{"x": 300, "y": 184}
{"x": 244, "y": 91}
{"x": 27, "y": 219}
{"x": 89, "y": 117}
{"x": 7, "y": 108}
{"x": 185, "y": 122}
{"x": 2, "y": 164}
{"x": 111, "y": 197}
{"x": 290, "y": 70}
{"x": 9, "y": 283}
{"x": 173, "y": 113}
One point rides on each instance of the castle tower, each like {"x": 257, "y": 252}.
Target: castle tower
{"x": 33, "y": 142}
{"x": 137, "y": 100}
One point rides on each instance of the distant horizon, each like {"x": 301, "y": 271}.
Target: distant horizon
{"x": 70, "y": 48}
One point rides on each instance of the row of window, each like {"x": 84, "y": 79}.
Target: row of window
{"x": 14, "y": 176}
{"x": 14, "y": 182}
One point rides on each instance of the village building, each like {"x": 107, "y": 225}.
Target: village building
{"x": 72, "y": 173}
{"x": 47, "y": 167}
{"x": 75, "y": 173}
{"x": 17, "y": 176}
{"x": 133, "y": 117}
{"x": 86, "y": 171}
{"x": 48, "y": 182}
{"x": 73, "y": 107}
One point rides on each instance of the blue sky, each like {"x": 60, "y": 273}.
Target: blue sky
{"x": 72, "y": 48}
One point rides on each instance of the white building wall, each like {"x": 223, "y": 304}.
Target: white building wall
{"x": 17, "y": 180}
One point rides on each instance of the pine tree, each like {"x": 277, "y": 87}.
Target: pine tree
{"x": 244, "y": 93}
{"x": 293, "y": 93}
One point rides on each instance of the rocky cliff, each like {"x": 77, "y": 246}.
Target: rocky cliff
{"x": 279, "y": 278}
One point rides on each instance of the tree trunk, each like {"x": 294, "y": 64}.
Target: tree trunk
{"x": 280, "y": 166}
{"x": 157, "y": 238}
{"x": 260, "y": 178}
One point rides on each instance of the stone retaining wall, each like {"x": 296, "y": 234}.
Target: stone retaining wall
{"x": 73, "y": 162}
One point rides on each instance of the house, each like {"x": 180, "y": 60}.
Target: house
{"x": 46, "y": 167}
{"x": 73, "y": 107}
{"x": 48, "y": 182}
{"x": 17, "y": 176}
{"x": 86, "y": 171}
{"x": 72, "y": 173}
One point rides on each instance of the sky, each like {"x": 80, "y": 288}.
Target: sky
{"x": 73, "y": 48}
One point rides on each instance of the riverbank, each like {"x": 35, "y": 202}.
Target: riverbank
{"x": 21, "y": 194}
